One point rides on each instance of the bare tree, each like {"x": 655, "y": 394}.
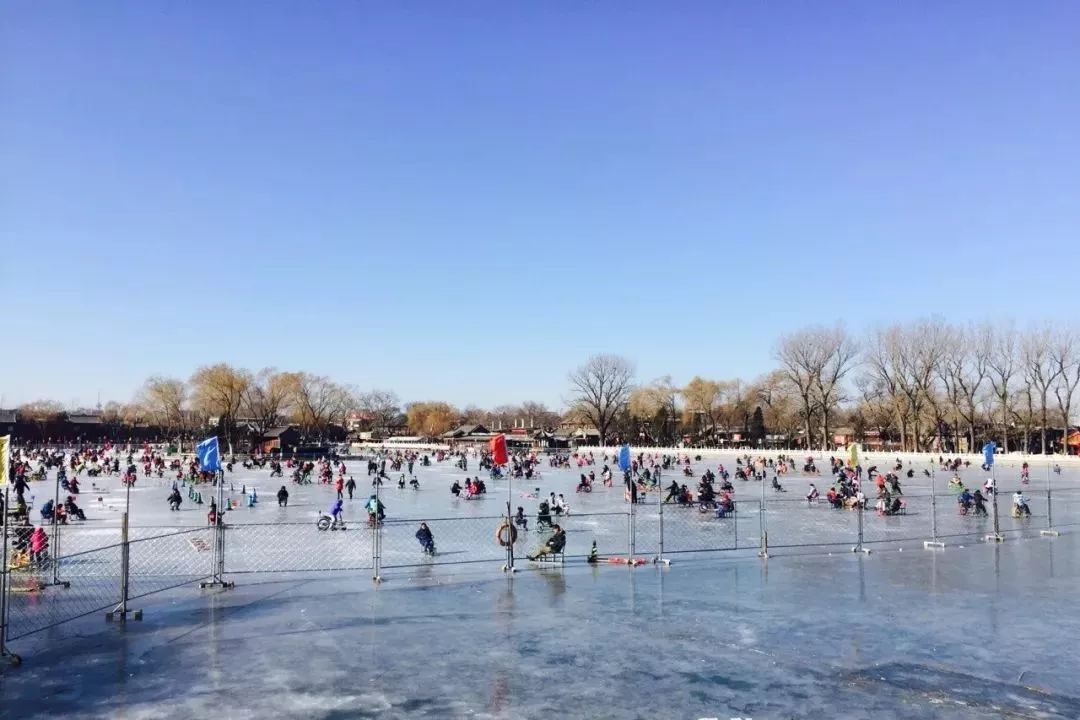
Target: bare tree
{"x": 1065, "y": 353}
{"x": 1040, "y": 372}
{"x": 1001, "y": 364}
{"x": 164, "y": 399}
{"x": 920, "y": 354}
{"x": 431, "y": 419}
{"x": 1023, "y": 411}
{"x": 654, "y": 405}
{"x": 802, "y": 362}
{"x": 883, "y": 358}
{"x": 268, "y": 398}
{"x": 320, "y": 402}
{"x": 600, "y": 390}
{"x": 703, "y": 399}
{"x": 815, "y": 362}
{"x": 42, "y": 413}
{"x": 218, "y": 390}
{"x": 774, "y": 392}
{"x": 840, "y": 352}
{"x": 537, "y": 414}
{"x": 965, "y": 366}
{"x": 382, "y": 406}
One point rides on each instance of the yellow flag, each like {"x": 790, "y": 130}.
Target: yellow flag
{"x": 853, "y": 460}
{"x": 5, "y": 458}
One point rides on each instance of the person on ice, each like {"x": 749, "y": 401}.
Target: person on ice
{"x": 520, "y": 520}
{"x": 335, "y": 512}
{"x": 39, "y": 546}
{"x": 554, "y": 544}
{"x": 427, "y": 540}
{"x": 543, "y": 516}
{"x": 980, "y": 502}
{"x": 174, "y": 500}
{"x": 672, "y": 492}
{"x": 283, "y": 497}
{"x": 965, "y": 501}
{"x": 376, "y": 510}
{"x": 1020, "y": 504}
{"x": 73, "y": 509}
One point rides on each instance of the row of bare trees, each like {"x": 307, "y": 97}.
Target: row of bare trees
{"x": 236, "y": 400}
{"x": 262, "y": 399}
{"x": 927, "y": 384}
{"x": 935, "y": 380}
{"x": 931, "y": 384}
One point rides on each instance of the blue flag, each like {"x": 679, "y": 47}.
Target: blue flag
{"x": 208, "y": 454}
{"x": 988, "y": 454}
{"x": 624, "y": 458}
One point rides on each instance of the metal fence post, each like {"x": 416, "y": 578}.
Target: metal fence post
{"x": 1049, "y": 531}
{"x": 859, "y": 543}
{"x": 376, "y": 539}
{"x": 510, "y": 523}
{"x": 217, "y": 569}
{"x": 122, "y": 610}
{"x": 54, "y": 541}
{"x": 5, "y": 585}
{"x": 933, "y": 542}
{"x": 996, "y": 536}
{"x": 762, "y": 525}
{"x": 630, "y": 531}
{"x": 660, "y": 514}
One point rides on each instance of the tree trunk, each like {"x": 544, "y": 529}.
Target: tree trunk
{"x": 1043, "y": 429}
{"x": 806, "y": 407}
{"x": 1005, "y": 423}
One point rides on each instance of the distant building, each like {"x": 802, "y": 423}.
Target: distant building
{"x": 281, "y": 438}
{"x": 473, "y": 434}
{"x": 8, "y": 419}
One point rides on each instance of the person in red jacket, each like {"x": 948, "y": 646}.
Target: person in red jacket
{"x": 39, "y": 546}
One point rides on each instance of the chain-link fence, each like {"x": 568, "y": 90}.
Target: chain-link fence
{"x": 35, "y": 603}
{"x": 296, "y": 547}
{"x": 169, "y": 560}
{"x": 72, "y": 570}
{"x": 456, "y": 540}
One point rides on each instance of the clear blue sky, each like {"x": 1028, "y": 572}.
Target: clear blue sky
{"x": 463, "y": 201}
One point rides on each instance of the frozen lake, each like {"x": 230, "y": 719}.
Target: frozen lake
{"x": 987, "y": 631}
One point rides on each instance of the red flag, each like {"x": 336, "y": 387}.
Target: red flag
{"x": 498, "y": 450}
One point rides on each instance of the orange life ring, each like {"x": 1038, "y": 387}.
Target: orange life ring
{"x": 502, "y": 540}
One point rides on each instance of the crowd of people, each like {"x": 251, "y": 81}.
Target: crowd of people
{"x": 713, "y": 491}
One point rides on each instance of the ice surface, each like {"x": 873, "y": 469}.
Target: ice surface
{"x": 982, "y": 631}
